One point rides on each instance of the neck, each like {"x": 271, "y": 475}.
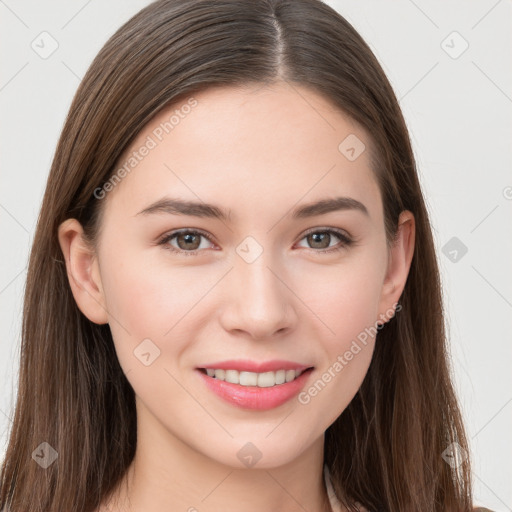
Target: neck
{"x": 169, "y": 475}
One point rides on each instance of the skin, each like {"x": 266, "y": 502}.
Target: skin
{"x": 261, "y": 152}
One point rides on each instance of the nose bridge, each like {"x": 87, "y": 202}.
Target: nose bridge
{"x": 259, "y": 301}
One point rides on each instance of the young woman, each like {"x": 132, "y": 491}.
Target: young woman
{"x": 233, "y": 300}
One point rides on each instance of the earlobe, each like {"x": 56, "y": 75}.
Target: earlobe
{"x": 82, "y": 271}
{"x": 400, "y": 258}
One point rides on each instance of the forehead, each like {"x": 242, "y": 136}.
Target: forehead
{"x": 245, "y": 146}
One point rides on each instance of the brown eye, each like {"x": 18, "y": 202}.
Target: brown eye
{"x": 321, "y": 240}
{"x": 188, "y": 242}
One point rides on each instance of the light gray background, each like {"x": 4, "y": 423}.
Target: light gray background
{"x": 458, "y": 109}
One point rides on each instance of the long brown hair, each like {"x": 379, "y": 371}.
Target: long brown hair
{"x": 385, "y": 450}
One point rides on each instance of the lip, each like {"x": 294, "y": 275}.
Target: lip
{"x": 254, "y": 397}
{"x": 246, "y": 365}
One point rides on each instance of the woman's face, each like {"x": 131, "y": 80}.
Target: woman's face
{"x": 248, "y": 278}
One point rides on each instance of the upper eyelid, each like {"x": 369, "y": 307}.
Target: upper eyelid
{"x": 172, "y": 234}
{"x": 337, "y": 231}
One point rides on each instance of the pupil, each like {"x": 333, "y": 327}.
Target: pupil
{"x": 317, "y": 238}
{"x": 189, "y": 238}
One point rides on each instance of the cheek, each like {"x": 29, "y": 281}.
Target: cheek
{"x": 152, "y": 298}
{"x": 346, "y": 302}
{"x": 345, "y": 297}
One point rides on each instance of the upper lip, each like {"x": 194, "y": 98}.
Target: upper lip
{"x": 245, "y": 365}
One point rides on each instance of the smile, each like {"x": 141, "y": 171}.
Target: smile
{"x": 261, "y": 380}
{"x": 256, "y": 391}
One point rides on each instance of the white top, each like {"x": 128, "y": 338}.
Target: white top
{"x": 333, "y": 500}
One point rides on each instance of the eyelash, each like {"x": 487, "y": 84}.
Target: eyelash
{"x": 346, "y": 241}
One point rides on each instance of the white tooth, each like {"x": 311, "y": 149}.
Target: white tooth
{"x": 262, "y": 380}
{"x": 267, "y": 379}
{"x": 220, "y": 374}
{"x": 232, "y": 376}
{"x": 248, "y": 379}
{"x": 290, "y": 375}
{"x": 280, "y": 376}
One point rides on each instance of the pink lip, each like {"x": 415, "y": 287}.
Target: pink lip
{"x": 245, "y": 365}
{"x": 254, "y": 397}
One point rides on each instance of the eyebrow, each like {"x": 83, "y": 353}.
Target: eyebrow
{"x": 174, "y": 206}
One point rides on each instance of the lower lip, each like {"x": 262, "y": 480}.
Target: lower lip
{"x": 254, "y": 397}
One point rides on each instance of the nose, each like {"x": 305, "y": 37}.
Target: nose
{"x": 258, "y": 302}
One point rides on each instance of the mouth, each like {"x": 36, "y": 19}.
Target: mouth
{"x": 254, "y": 379}
{"x": 252, "y": 390}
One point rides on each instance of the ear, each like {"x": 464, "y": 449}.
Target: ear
{"x": 399, "y": 262}
{"x": 83, "y": 271}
